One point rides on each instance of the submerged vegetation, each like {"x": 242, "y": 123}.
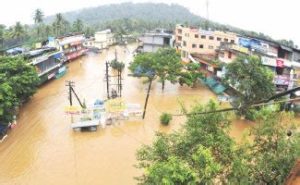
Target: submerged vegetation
{"x": 202, "y": 152}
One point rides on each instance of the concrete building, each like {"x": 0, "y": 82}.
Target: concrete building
{"x": 104, "y": 39}
{"x": 193, "y": 40}
{"x": 89, "y": 42}
{"x": 71, "y": 45}
{"x": 151, "y": 42}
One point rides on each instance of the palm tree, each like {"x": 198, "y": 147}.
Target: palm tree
{"x": 47, "y": 30}
{"x": 78, "y": 25}
{"x": 2, "y": 32}
{"x": 58, "y": 24}
{"x": 38, "y": 16}
{"x": 38, "y": 20}
{"x": 18, "y": 31}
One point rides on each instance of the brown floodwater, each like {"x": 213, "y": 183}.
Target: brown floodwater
{"x": 43, "y": 149}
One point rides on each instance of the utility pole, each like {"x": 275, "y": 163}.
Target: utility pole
{"x": 207, "y": 15}
{"x": 70, "y": 84}
{"x": 146, "y": 102}
{"x": 107, "y": 79}
{"x": 120, "y": 82}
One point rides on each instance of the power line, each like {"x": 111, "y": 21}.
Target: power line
{"x": 233, "y": 109}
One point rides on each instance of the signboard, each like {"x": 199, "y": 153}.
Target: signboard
{"x": 268, "y": 61}
{"x": 115, "y": 105}
{"x": 279, "y": 63}
{"x": 72, "y": 109}
{"x": 240, "y": 49}
{"x": 282, "y": 80}
{"x": 51, "y": 76}
{"x": 62, "y": 69}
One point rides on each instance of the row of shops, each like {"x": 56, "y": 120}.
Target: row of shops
{"x": 49, "y": 60}
{"x": 213, "y": 65}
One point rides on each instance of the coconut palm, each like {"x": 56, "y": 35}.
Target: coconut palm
{"x": 78, "y": 25}
{"x": 58, "y": 24}
{"x": 38, "y": 20}
{"x": 18, "y": 31}
{"x": 38, "y": 16}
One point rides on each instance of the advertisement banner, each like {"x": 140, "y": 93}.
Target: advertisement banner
{"x": 282, "y": 80}
{"x": 279, "y": 63}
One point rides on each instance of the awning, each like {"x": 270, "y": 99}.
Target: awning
{"x": 286, "y": 48}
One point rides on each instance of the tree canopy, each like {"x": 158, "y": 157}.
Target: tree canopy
{"x": 164, "y": 64}
{"x": 18, "y": 82}
{"x": 252, "y": 80}
{"x": 202, "y": 152}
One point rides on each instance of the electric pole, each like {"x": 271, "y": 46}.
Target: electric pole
{"x": 70, "y": 84}
{"x": 107, "y": 79}
{"x": 207, "y": 15}
{"x": 148, "y": 93}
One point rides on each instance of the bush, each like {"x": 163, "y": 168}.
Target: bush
{"x": 117, "y": 65}
{"x": 165, "y": 118}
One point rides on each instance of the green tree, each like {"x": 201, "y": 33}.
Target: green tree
{"x": 58, "y": 24}
{"x": 164, "y": 64}
{"x": 18, "y": 31}
{"x": 38, "y": 20}
{"x": 20, "y": 76}
{"x": 208, "y": 155}
{"x": 78, "y": 25}
{"x": 2, "y": 34}
{"x": 251, "y": 79}
{"x": 38, "y": 16}
{"x": 8, "y": 101}
{"x": 168, "y": 65}
{"x": 273, "y": 153}
{"x": 202, "y": 145}
{"x": 190, "y": 76}
{"x": 48, "y": 31}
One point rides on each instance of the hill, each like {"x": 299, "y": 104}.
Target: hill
{"x": 152, "y": 12}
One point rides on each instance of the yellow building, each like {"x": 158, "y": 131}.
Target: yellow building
{"x": 193, "y": 40}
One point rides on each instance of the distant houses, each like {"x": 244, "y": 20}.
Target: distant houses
{"x": 104, "y": 39}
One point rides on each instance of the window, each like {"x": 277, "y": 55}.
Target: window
{"x": 203, "y": 37}
{"x": 180, "y": 31}
{"x": 211, "y": 38}
{"x": 184, "y": 43}
{"x": 219, "y": 39}
{"x": 201, "y": 46}
{"x": 229, "y": 54}
{"x": 196, "y": 36}
{"x": 225, "y": 40}
{"x": 232, "y": 41}
{"x": 210, "y": 47}
{"x": 179, "y": 38}
{"x": 184, "y": 54}
{"x": 221, "y": 54}
{"x": 194, "y": 46}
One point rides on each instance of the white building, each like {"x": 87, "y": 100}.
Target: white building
{"x": 152, "y": 41}
{"x": 104, "y": 39}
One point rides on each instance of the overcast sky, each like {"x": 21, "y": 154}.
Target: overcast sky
{"x": 277, "y": 18}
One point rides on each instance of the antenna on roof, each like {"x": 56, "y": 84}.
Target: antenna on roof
{"x": 207, "y": 15}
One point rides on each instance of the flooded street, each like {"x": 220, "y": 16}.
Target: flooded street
{"x": 43, "y": 149}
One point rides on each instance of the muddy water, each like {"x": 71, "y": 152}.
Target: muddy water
{"x": 43, "y": 149}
